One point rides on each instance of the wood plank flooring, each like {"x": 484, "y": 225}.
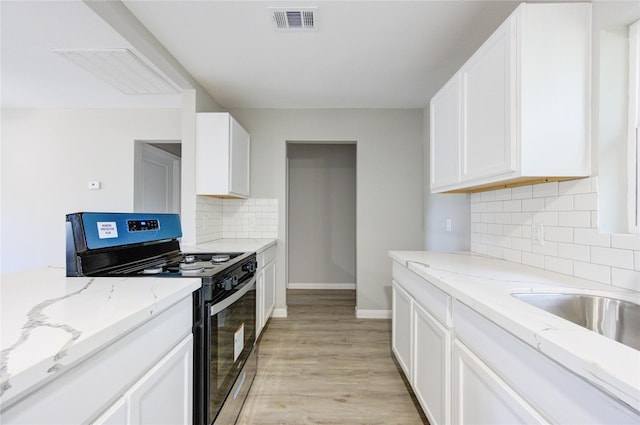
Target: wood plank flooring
{"x": 321, "y": 365}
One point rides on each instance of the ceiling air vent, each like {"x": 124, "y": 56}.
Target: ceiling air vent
{"x": 294, "y": 19}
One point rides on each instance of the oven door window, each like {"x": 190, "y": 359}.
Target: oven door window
{"x": 232, "y": 335}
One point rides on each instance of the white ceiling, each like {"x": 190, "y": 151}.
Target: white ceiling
{"x": 365, "y": 54}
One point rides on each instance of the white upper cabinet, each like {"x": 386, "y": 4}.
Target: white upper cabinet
{"x": 222, "y": 156}
{"x": 445, "y": 126}
{"x": 519, "y": 109}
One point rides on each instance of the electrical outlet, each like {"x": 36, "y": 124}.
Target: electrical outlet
{"x": 537, "y": 234}
{"x": 94, "y": 185}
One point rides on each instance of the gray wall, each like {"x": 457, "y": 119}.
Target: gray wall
{"x": 322, "y": 213}
{"x": 389, "y": 183}
{"x": 439, "y": 207}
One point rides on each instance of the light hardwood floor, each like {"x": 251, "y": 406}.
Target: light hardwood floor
{"x": 321, "y": 365}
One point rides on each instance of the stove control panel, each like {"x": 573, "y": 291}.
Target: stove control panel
{"x": 142, "y": 225}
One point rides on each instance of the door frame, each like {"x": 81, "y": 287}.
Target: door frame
{"x": 139, "y": 147}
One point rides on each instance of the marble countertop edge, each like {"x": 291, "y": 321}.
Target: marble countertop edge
{"x": 21, "y": 378}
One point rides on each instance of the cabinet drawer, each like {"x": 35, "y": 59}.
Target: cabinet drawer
{"x": 435, "y": 301}
{"x": 559, "y": 395}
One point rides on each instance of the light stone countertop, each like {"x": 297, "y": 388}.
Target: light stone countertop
{"x": 485, "y": 284}
{"x": 230, "y": 245}
{"x": 50, "y": 322}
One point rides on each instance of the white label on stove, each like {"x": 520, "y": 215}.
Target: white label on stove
{"x": 238, "y": 342}
{"x": 107, "y": 229}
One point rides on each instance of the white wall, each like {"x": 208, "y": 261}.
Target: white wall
{"x": 389, "y": 183}
{"x": 48, "y": 156}
{"x": 322, "y": 213}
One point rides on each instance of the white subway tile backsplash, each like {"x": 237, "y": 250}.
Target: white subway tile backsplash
{"x": 494, "y": 206}
{"x": 488, "y": 196}
{"x": 613, "y": 257}
{"x": 522, "y": 218}
{"x": 559, "y": 203}
{"x": 627, "y": 279}
{"x": 531, "y": 259}
{"x": 487, "y": 217}
{"x": 512, "y": 230}
{"x": 629, "y": 241}
{"x": 574, "y": 252}
{"x": 595, "y": 272}
{"x": 574, "y": 219}
{"x": 502, "y": 195}
{"x": 586, "y": 201}
{"x": 494, "y": 251}
{"x": 521, "y": 244}
{"x": 546, "y": 218}
{"x": 495, "y": 229}
{"x": 478, "y": 207}
{"x": 503, "y": 218}
{"x": 591, "y": 237}
{"x": 512, "y": 205}
{"x": 545, "y": 189}
{"x": 512, "y": 255}
{"x": 558, "y": 234}
{"x": 572, "y": 187}
{"x": 235, "y": 218}
{"x": 521, "y": 192}
{"x": 559, "y": 265}
{"x": 535, "y": 204}
{"x": 549, "y": 248}
{"x": 503, "y": 241}
{"x": 501, "y": 226}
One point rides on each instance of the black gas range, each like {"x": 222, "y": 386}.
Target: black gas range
{"x": 224, "y": 307}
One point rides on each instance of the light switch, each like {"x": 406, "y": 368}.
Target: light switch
{"x": 95, "y": 185}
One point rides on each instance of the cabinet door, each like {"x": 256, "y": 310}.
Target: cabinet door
{"x": 482, "y": 397}
{"x": 240, "y": 161}
{"x": 269, "y": 290}
{"x": 164, "y": 394}
{"x": 445, "y": 125}
{"x": 115, "y": 415}
{"x": 431, "y": 365}
{"x": 488, "y": 107}
{"x": 259, "y": 302}
{"x": 401, "y": 327}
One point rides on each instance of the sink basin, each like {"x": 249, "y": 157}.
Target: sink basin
{"x": 611, "y": 317}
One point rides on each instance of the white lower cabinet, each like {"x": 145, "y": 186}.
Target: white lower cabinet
{"x": 162, "y": 395}
{"x": 117, "y": 414}
{"x": 265, "y": 287}
{"x": 465, "y": 369}
{"x": 431, "y": 368}
{"x": 422, "y": 343}
{"x": 401, "y": 327}
{"x": 481, "y": 397}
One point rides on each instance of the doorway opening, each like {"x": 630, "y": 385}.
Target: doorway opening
{"x": 321, "y": 215}
{"x": 157, "y": 166}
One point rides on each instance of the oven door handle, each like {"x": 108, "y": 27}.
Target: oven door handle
{"x": 218, "y": 307}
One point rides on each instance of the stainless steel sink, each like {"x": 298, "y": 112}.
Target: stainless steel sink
{"x": 611, "y": 317}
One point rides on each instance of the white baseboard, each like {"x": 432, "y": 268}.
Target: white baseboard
{"x": 322, "y": 286}
{"x": 372, "y": 314}
{"x": 279, "y": 312}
